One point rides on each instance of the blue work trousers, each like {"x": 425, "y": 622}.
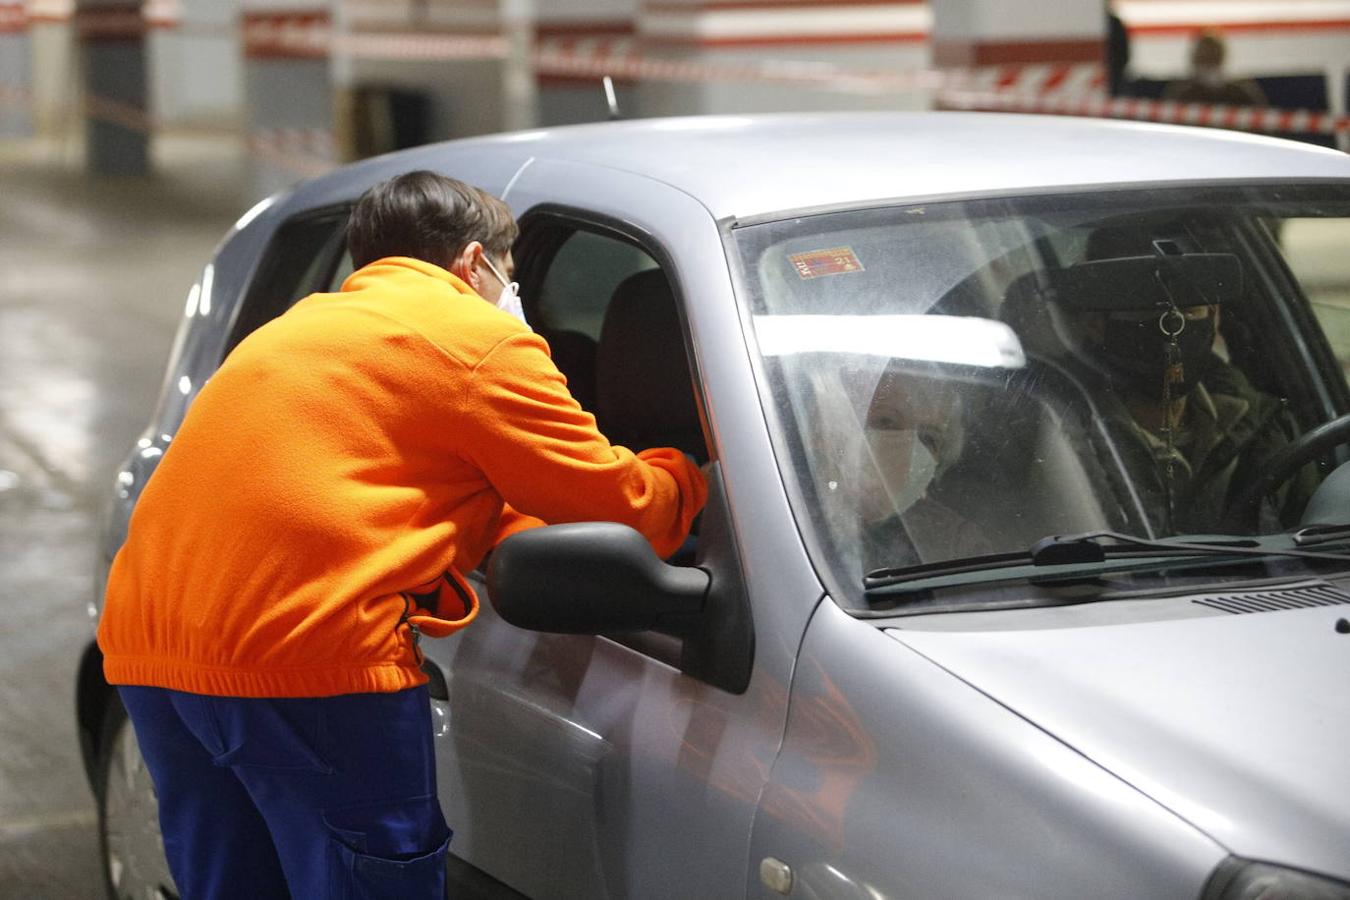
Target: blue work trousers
{"x": 305, "y": 798}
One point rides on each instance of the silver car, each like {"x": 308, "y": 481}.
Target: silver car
{"x": 1026, "y": 566}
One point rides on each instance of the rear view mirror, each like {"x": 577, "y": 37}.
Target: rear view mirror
{"x": 1146, "y": 282}
{"x": 590, "y": 578}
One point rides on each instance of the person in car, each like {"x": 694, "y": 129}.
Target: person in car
{"x": 913, "y": 432}
{"x": 1208, "y": 82}
{"x": 315, "y": 515}
{"x": 1194, "y": 444}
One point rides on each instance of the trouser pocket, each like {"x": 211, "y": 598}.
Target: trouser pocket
{"x": 393, "y": 850}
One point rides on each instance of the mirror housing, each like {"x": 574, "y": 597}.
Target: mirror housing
{"x": 591, "y": 578}
{"x": 1147, "y": 282}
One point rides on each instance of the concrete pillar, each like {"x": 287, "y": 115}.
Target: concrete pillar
{"x": 288, "y": 91}
{"x": 111, "y": 36}
{"x": 784, "y": 57}
{"x": 975, "y": 33}
{"x": 15, "y": 71}
{"x": 196, "y": 70}
{"x": 55, "y": 67}
{"x": 520, "y": 105}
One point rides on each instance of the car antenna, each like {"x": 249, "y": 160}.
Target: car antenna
{"x": 611, "y": 99}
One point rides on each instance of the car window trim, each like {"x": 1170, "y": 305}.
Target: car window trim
{"x": 270, "y": 260}
{"x": 572, "y": 219}
{"x": 660, "y": 647}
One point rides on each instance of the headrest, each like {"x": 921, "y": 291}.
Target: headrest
{"x": 644, "y": 394}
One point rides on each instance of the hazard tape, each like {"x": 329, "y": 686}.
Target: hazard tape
{"x": 1266, "y": 120}
{"x": 305, "y": 152}
{"x": 1070, "y": 89}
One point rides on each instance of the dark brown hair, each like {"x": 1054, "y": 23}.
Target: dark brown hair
{"x": 429, "y": 217}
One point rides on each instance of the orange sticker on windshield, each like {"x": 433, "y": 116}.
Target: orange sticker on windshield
{"x": 826, "y": 262}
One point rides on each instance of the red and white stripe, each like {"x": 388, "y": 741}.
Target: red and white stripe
{"x": 1037, "y": 80}
{"x": 303, "y": 34}
{"x": 1239, "y": 118}
{"x": 13, "y": 18}
{"x": 742, "y": 24}
{"x": 50, "y": 11}
{"x": 162, "y": 13}
{"x": 450, "y": 16}
{"x": 1170, "y": 17}
{"x": 111, "y": 22}
{"x": 306, "y": 152}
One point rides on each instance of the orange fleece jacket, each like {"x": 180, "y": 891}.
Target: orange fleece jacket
{"x": 338, "y": 475}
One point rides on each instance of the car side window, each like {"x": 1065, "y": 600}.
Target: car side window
{"x": 611, "y": 317}
{"x": 1314, "y": 251}
{"x": 581, "y": 279}
{"x": 611, "y": 314}
{"x": 299, "y": 261}
{"x": 340, "y": 272}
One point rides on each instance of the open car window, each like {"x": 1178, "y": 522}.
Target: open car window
{"x": 611, "y": 317}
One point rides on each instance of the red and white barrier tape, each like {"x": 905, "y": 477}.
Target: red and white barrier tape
{"x": 306, "y": 152}
{"x": 1265, "y": 120}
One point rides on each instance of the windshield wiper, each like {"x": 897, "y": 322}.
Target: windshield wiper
{"x": 1068, "y": 555}
{"x": 1320, "y": 534}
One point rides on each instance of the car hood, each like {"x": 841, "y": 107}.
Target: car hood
{"x": 1239, "y": 724}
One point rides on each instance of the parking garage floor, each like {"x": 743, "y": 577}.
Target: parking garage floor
{"x": 93, "y": 276}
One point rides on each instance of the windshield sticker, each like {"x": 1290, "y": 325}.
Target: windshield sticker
{"x": 816, "y": 263}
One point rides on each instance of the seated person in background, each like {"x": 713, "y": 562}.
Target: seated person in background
{"x": 1194, "y": 430}
{"x": 913, "y": 433}
{"x": 1208, "y": 83}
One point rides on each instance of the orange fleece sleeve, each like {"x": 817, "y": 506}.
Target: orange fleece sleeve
{"x": 513, "y": 522}
{"x": 544, "y": 455}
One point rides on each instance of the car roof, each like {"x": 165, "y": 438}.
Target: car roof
{"x": 755, "y": 165}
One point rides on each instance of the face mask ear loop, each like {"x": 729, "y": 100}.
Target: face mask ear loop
{"x": 506, "y": 284}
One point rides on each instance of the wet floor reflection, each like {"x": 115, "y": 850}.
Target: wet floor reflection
{"x": 92, "y": 276}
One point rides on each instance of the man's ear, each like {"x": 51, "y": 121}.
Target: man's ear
{"x": 465, "y": 266}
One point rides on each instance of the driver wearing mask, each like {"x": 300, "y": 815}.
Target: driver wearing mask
{"x": 913, "y": 434}
{"x": 1194, "y": 429}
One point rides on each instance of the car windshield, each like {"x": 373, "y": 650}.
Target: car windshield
{"x": 951, "y": 380}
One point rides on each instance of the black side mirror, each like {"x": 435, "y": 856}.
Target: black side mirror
{"x": 590, "y": 578}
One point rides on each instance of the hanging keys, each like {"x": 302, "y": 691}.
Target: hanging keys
{"x": 1171, "y": 323}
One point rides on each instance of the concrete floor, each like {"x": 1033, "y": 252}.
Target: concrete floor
{"x": 93, "y": 276}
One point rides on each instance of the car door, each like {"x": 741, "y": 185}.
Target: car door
{"x": 619, "y": 765}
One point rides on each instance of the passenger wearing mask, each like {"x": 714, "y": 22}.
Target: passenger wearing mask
{"x": 913, "y": 433}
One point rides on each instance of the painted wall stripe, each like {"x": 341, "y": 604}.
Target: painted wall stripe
{"x": 1227, "y": 13}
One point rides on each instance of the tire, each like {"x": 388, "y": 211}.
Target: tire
{"x": 132, "y": 850}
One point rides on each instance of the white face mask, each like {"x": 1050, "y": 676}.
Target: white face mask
{"x": 509, "y": 298}
{"x": 906, "y": 465}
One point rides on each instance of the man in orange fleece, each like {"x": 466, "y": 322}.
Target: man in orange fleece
{"x": 316, "y": 513}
